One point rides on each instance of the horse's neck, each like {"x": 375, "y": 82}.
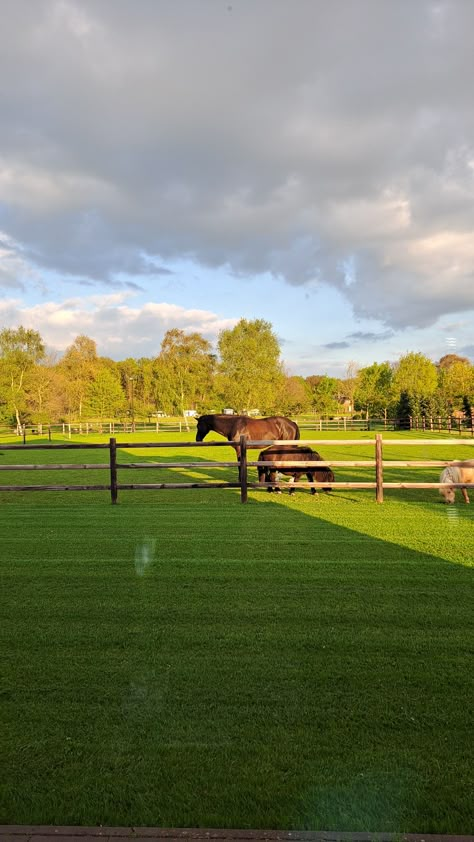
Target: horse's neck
{"x": 224, "y": 424}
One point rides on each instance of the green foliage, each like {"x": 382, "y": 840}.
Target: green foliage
{"x": 404, "y": 411}
{"x": 20, "y": 351}
{"x": 246, "y": 374}
{"x": 416, "y": 375}
{"x": 456, "y": 381}
{"x": 183, "y": 371}
{"x": 79, "y": 364}
{"x": 45, "y": 391}
{"x": 294, "y": 397}
{"x": 373, "y": 389}
{"x": 104, "y": 396}
{"x": 250, "y": 370}
{"x": 324, "y": 394}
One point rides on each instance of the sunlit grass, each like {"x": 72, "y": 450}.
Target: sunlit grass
{"x": 183, "y": 660}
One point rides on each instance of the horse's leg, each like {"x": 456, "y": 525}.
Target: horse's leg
{"x": 465, "y": 495}
{"x": 271, "y": 479}
{"x": 312, "y": 478}
{"x": 294, "y": 478}
{"x": 237, "y": 453}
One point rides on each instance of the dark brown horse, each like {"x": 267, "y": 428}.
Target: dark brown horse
{"x": 292, "y": 453}
{"x": 232, "y": 427}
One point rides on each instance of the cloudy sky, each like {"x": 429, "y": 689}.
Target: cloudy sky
{"x": 186, "y": 163}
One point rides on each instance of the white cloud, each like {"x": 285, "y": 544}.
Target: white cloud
{"x": 119, "y": 329}
{"x": 296, "y": 139}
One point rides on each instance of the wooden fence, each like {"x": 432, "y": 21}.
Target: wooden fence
{"x": 113, "y": 466}
{"x": 30, "y": 432}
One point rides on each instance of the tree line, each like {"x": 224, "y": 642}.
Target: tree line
{"x": 245, "y": 372}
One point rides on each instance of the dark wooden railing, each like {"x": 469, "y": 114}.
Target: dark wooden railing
{"x": 241, "y": 482}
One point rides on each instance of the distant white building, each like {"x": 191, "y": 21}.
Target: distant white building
{"x": 190, "y": 413}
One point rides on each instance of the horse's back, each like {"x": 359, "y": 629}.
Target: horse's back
{"x": 282, "y": 427}
{"x": 459, "y": 473}
{"x": 290, "y": 453}
{"x": 467, "y": 471}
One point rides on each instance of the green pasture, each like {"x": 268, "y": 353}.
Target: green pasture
{"x": 183, "y": 660}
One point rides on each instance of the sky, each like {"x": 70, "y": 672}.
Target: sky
{"x": 188, "y": 163}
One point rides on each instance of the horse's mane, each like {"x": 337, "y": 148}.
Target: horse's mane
{"x": 451, "y": 474}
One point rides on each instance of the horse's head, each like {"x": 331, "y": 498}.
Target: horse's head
{"x": 328, "y": 476}
{"x": 449, "y": 494}
{"x": 203, "y": 427}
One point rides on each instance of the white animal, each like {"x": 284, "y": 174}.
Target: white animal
{"x": 457, "y": 473}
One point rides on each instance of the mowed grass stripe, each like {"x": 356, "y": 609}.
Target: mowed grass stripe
{"x": 183, "y": 660}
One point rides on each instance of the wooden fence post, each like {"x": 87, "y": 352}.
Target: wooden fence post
{"x": 378, "y": 468}
{"x": 243, "y": 469}
{"x": 113, "y": 470}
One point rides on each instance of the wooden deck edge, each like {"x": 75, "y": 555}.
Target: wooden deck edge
{"x": 24, "y": 833}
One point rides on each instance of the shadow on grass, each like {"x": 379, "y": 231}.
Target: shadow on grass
{"x": 220, "y": 665}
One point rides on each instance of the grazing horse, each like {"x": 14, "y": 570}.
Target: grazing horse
{"x": 457, "y": 473}
{"x": 235, "y": 426}
{"x": 292, "y": 453}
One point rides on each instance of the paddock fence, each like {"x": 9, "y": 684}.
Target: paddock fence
{"x": 113, "y": 466}
{"x": 451, "y": 425}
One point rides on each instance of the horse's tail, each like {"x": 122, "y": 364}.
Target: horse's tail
{"x": 297, "y": 430}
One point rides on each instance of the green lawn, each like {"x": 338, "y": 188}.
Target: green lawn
{"x": 183, "y": 660}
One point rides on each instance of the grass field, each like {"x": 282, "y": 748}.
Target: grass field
{"x": 183, "y": 660}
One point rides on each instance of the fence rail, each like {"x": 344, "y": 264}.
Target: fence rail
{"x": 113, "y": 466}
{"x": 451, "y": 424}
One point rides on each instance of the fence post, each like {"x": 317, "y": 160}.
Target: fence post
{"x": 243, "y": 469}
{"x": 378, "y": 468}
{"x": 113, "y": 470}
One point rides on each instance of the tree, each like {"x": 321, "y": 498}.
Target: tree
{"x": 449, "y": 359}
{"x": 349, "y": 384}
{"x": 104, "y": 396}
{"x": 373, "y": 389}
{"x": 294, "y": 397}
{"x": 20, "y": 350}
{"x": 80, "y": 366}
{"x": 45, "y": 391}
{"x": 467, "y": 408}
{"x": 183, "y": 371}
{"x": 250, "y": 369}
{"x": 416, "y": 375}
{"x": 324, "y": 393}
{"x": 404, "y": 411}
{"x": 140, "y": 373}
{"x": 454, "y": 382}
